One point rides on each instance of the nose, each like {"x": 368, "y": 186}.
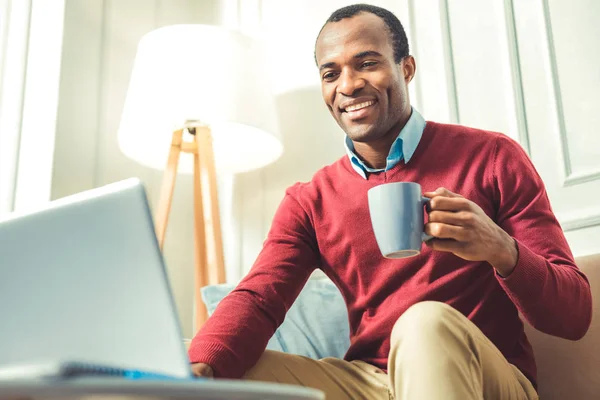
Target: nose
{"x": 349, "y": 83}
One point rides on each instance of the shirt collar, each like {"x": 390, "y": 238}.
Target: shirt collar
{"x": 403, "y": 147}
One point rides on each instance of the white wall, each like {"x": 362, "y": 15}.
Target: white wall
{"x": 100, "y": 40}
{"x": 527, "y": 68}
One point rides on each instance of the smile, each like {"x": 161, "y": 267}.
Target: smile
{"x": 360, "y": 106}
{"x": 359, "y": 111}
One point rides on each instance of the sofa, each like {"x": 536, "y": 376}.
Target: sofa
{"x": 566, "y": 369}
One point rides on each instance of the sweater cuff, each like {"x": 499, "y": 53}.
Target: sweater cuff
{"x": 220, "y": 359}
{"x": 526, "y": 282}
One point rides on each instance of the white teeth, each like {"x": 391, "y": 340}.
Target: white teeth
{"x": 355, "y": 107}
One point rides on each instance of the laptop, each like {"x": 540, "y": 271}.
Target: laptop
{"x": 84, "y": 291}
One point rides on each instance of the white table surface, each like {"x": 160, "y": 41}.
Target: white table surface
{"x": 111, "y": 388}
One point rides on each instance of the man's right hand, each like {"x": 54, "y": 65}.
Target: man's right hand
{"x": 204, "y": 370}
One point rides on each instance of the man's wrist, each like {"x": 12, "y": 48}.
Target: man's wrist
{"x": 507, "y": 256}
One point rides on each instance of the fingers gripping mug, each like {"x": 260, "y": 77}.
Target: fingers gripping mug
{"x": 397, "y": 216}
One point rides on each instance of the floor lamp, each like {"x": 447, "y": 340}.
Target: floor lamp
{"x": 202, "y": 91}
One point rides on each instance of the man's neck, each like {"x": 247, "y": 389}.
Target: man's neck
{"x": 374, "y": 153}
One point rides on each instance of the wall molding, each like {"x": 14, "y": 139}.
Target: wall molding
{"x": 579, "y": 178}
{"x": 412, "y": 18}
{"x": 571, "y": 178}
{"x": 573, "y": 224}
{"x": 16, "y": 25}
{"x": 449, "y": 57}
{"x": 517, "y": 80}
{"x": 101, "y": 90}
{"x": 560, "y": 115}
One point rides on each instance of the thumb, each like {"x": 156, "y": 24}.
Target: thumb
{"x": 204, "y": 370}
{"x": 441, "y": 191}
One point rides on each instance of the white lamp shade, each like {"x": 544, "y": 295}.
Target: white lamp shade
{"x": 206, "y": 73}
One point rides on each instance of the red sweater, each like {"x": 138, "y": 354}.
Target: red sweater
{"x": 325, "y": 223}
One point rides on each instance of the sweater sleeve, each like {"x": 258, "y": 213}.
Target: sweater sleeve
{"x": 546, "y": 285}
{"x": 236, "y": 334}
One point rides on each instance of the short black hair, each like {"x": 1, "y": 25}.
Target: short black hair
{"x": 399, "y": 39}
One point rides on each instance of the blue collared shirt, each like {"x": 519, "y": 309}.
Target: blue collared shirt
{"x": 403, "y": 147}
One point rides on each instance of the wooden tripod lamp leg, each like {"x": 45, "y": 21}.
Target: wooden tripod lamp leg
{"x": 212, "y": 217}
{"x": 210, "y": 264}
{"x": 168, "y": 185}
{"x": 208, "y": 242}
{"x": 200, "y": 274}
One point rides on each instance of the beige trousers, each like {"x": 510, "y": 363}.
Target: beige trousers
{"x": 435, "y": 353}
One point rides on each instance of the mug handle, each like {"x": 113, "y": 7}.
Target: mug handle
{"x": 424, "y": 203}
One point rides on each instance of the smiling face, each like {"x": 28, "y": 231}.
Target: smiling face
{"x": 364, "y": 89}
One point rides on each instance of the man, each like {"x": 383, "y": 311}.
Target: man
{"x": 443, "y": 324}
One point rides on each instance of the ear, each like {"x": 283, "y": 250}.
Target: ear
{"x": 408, "y": 68}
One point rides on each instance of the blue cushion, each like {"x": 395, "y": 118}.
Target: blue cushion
{"x": 316, "y": 325}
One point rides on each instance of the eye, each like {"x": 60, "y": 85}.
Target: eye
{"x": 329, "y": 76}
{"x": 368, "y": 64}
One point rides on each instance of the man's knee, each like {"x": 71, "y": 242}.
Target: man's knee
{"x": 423, "y": 319}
